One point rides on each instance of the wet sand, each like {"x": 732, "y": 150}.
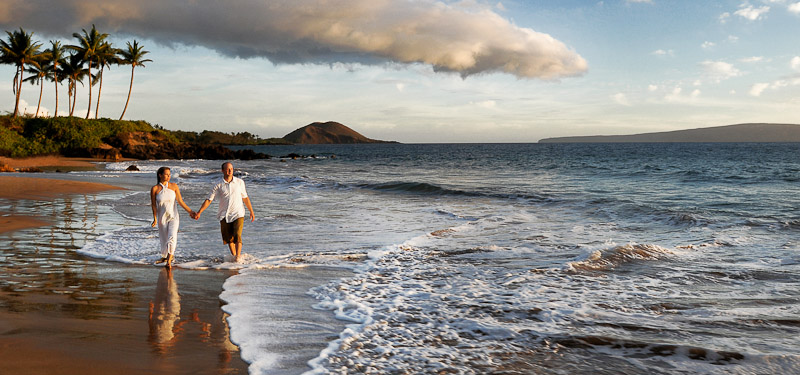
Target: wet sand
{"x": 63, "y": 313}
{"x": 52, "y": 162}
{"x": 16, "y": 187}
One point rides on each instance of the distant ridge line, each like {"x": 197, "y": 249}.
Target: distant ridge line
{"x": 750, "y": 132}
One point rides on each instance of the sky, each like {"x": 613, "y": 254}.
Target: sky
{"x": 422, "y": 71}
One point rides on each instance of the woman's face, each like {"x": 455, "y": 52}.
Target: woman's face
{"x": 165, "y": 176}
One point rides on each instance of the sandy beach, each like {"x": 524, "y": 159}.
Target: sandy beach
{"x": 63, "y": 313}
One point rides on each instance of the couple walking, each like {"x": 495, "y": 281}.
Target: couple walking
{"x": 232, "y": 198}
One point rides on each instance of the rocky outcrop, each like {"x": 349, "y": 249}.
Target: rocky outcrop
{"x": 155, "y": 145}
{"x": 328, "y": 133}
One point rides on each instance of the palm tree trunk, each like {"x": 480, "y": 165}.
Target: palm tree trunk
{"x": 55, "y": 80}
{"x": 69, "y": 96}
{"x": 19, "y": 87}
{"x": 99, "y": 89}
{"x": 74, "y": 97}
{"x": 130, "y": 88}
{"x": 88, "y": 111}
{"x": 41, "y": 90}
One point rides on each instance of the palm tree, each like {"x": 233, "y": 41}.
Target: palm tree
{"x": 39, "y": 74}
{"x": 133, "y": 56}
{"x": 106, "y": 56}
{"x": 55, "y": 58}
{"x": 74, "y": 71}
{"x": 20, "y": 50}
{"x": 90, "y": 44}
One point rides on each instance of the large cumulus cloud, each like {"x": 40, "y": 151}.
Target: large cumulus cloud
{"x": 448, "y": 36}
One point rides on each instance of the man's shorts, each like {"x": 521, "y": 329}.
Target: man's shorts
{"x": 231, "y": 232}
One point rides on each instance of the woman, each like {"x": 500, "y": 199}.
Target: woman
{"x": 163, "y": 197}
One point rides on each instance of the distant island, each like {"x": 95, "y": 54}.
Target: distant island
{"x": 730, "y": 133}
{"x": 328, "y": 133}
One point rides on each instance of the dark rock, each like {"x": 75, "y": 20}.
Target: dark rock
{"x": 154, "y": 145}
{"x": 132, "y": 168}
{"x": 105, "y": 152}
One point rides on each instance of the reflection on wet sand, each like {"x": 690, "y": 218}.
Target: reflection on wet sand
{"x": 164, "y": 312}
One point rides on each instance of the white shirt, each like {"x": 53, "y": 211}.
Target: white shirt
{"x": 231, "y": 206}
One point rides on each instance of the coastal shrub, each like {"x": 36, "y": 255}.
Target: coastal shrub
{"x": 21, "y": 137}
{"x": 9, "y": 141}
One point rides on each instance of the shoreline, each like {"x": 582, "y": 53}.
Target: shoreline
{"x": 64, "y": 313}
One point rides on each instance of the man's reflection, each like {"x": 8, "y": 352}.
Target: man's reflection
{"x": 164, "y": 312}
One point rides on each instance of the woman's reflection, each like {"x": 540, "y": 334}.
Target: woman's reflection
{"x": 164, "y": 312}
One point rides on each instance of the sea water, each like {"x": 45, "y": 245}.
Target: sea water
{"x": 508, "y": 258}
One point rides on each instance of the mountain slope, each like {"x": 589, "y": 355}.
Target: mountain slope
{"x": 327, "y": 133}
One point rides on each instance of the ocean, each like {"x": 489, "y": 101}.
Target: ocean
{"x": 503, "y": 258}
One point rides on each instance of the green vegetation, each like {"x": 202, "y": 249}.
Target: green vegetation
{"x": 73, "y": 63}
{"x": 29, "y": 136}
{"x": 219, "y": 138}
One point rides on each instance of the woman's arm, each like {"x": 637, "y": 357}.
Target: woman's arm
{"x": 153, "y": 193}
{"x": 179, "y": 199}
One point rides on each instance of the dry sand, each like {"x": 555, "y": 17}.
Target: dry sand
{"x": 62, "y": 313}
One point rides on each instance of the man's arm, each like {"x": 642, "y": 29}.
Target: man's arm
{"x": 205, "y": 205}
{"x": 249, "y": 207}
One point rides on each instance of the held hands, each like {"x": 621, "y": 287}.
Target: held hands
{"x": 194, "y": 215}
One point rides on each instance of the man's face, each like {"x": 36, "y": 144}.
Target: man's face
{"x": 227, "y": 171}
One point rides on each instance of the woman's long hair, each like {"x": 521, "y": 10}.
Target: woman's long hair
{"x": 161, "y": 173}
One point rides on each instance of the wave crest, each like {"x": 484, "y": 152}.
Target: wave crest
{"x": 607, "y": 259}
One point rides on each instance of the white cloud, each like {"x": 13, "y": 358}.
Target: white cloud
{"x": 795, "y": 63}
{"x": 677, "y": 96}
{"x": 661, "y": 52}
{"x": 621, "y": 99}
{"x": 733, "y": 39}
{"x": 652, "y": 88}
{"x": 750, "y": 13}
{"x": 449, "y": 36}
{"x": 708, "y": 45}
{"x": 488, "y": 104}
{"x": 718, "y": 71}
{"x": 794, "y": 8}
{"x": 30, "y": 109}
{"x": 753, "y": 59}
{"x": 758, "y": 88}
{"x": 723, "y": 18}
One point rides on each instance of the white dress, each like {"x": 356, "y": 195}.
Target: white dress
{"x": 168, "y": 220}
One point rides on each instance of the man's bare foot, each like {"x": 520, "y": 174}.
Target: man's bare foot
{"x": 162, "y": 260}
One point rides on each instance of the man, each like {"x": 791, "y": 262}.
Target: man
{"x": 232, "y": 199}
